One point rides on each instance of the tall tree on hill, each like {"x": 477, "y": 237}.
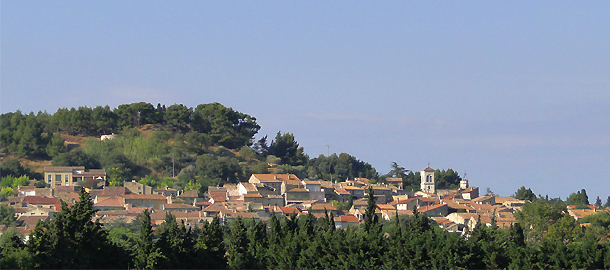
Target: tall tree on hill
{"x": 178, "y": 117}
{"x": 524, "y": 194}
{"x": 578, "y": 198}
{"x": 397, "y": 171}
{"x": 135, "y": 114}
{"x": 225, "y": 126}
{"x": 285, "y": 147}
{"x": 104, "y": 120}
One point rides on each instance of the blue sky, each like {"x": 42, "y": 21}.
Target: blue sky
{"x": 513, "y": 93}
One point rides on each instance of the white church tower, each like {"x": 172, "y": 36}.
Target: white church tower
{"x": 427, "y": 180}
{"x": 464, "y": 182}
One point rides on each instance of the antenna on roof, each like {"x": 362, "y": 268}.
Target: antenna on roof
{"x": 428, "y": 164}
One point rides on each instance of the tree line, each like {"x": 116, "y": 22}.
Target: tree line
{"x": 73, "y": 240}
{"x": 208, "y": 145}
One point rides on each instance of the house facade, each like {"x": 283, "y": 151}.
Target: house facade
{"x": 69, "y": 175}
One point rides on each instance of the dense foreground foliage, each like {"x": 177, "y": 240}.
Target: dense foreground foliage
{"x": 72, "y": 240}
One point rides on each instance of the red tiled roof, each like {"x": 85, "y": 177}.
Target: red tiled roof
{"x": 179, "y": 206}
{"x": 322, "y": 206}
{"x": 40, "y": 200}
{"x": 289, "y": 210}
{"x": 113, "y": 191}
{"x": 31, "y": 221}
{"x": 63, "y": 168}
{"x": 428, "y": 169}
{"x": 405, "y": 201}
{"x": 341, "y": 191}
{"x": 114, "y": 201}
{"x": 349, "y": 218}
{"x": 144, "y": 197}
{"x": 424, "y": 209}
{"x": 312, "y": 182}
{"x": 274, "y": 177}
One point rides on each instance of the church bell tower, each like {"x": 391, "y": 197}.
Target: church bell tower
{"x": 427, "y": 180}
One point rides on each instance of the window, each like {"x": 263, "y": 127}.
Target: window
{"x": 66, "y": 177}
{"x": 49, "y": 178}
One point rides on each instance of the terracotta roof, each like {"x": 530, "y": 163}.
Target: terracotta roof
{"x": 312, "y": 182}
{"x": 424, "y": 209}
{"x": 179, "y": 206}
{"x": 249, "y": 187}
{"x": 159, "y": 215}
{"x": 274, "y": 177}
{"x": 218, "y": 194}
{"x": 216, "y": 207}
{"x": 289, "y": 210}
{"x": 113, "y": 191}
{"x": 31, "y": 221}
{"x": 164, "y": 189}
{"x": 322, "y": 206}
{"x": 203, "y": 204}
{"x": 428, "y": 169}
{"x": 381, "y": 188}
{"x": 470, "y": 189}
{"x": 386, "y": 207}
{"x": 27, "y": 188}
{"x": 242, "y": 214}
{"x": 188, "y": 215}
{"x": 252, "y": 195}
{"x": 480, "y": 199}
{"x": 342, "y": 191}
{"x": 137, "y": 210}
{"x": 348, "y": 218}
{"x": 110, "y": 201}
{"x": 144, "y": 197}
{"x": 40, "y": 200}
{"x": 63, "y": 168}
{"x": 405, "y": 201}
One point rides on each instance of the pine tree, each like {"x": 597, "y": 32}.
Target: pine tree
{"x": 238, "y": 242}
{"x": 72, "y": 240}
{"x": 209, "y": 248}
{"x": 370, "y": 219}
{"x": 146, "y": 255}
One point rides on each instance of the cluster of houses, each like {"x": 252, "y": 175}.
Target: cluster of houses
{"x": 264, "y": 195}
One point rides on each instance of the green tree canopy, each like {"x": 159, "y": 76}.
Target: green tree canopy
{"x": 285, "y": 147}
{"x": 225, "y": 126}
{"x": 578, "y": 198}
{"x": 524, "y": 194}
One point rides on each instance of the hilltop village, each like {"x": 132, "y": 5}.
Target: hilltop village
{"x": 261, "y": 196}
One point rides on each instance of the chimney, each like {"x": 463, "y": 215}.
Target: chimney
{"x": 275, "y": 176}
